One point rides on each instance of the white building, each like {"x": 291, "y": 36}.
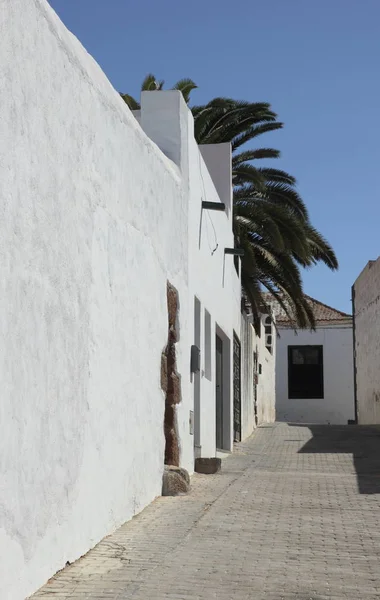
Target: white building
{"x": 258, "y": 372}
{"x": 116, "y": 278}
{"x": 366, "y": 301}
{"x": 212, "y": 298}
{"x": 314, "y": 369}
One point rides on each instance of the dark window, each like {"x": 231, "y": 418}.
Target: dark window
{"x": 305, "y": 371}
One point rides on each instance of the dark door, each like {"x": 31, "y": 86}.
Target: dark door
{"x": 255, "y": 382}
{"x": 237, "y": 396}
{"x": 219, "y": 391}
{"x": 305, "y": 371}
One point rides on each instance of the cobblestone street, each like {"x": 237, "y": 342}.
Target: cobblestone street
{"x": 294, "y": 514}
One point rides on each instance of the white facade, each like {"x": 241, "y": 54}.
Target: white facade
{"x": 337, "y": 404}
{"x": 366, "y": 300}
{"x": 258, "y": 377}
{"x": 96, "y": 218}
{"x": 213, "y": 283}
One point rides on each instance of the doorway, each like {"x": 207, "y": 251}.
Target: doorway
{"x": 255, "y": 382}
{"x": 223, "y": 391}
{"x": 219, "y": 391}
{"x": 197, "y": 381}
{"x": 237, "y": 390}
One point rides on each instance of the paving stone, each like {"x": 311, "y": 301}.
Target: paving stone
{"x": 293, "y": 515}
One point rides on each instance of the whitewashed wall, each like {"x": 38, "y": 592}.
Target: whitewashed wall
{"x": 266, "y": 390}
{"x": 212, "y": 276}
{"x": 367, "y": 343}
{"x": 251, "y": 343}
{"x": 337, "y": 406}
{"x": 248, "y": 372}
{"x": 95, "y": 219}
{"x": 87, "y": 244}
{"x": 213, "y": 280}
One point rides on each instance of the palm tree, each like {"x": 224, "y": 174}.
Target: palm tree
{"x": 271, "y": 221}
{"x": 151, "y": 84}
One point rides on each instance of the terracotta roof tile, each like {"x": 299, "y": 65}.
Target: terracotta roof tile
{"x": 324, "y": 314}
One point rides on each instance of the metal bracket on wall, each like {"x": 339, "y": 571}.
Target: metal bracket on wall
{"x": 213, "y": 206}
{"x": 234, "y": 251}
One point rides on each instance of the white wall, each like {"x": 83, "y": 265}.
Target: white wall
{"x": 87, "y": 244}
{"x": 266, "y": 389}
{"x": 95, "y": 220}
{"x": 213, "y": 280}
{"x": 337, "y": 406}
{"x": 265, "y": 408}
{"x": 367, "y": 343}
{"x": 248, "y": 373}
{"x": 212, "y": 276}
{"x": 218, "y": 161}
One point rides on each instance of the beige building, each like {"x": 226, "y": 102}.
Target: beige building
{"x": 366, "y": 307}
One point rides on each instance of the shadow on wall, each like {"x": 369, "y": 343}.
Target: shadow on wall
{"x": 363, "y": 442}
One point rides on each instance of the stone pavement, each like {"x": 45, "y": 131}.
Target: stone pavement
{"x": 294, "y": 514}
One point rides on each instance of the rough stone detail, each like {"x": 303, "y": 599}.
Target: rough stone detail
{"x": 172, "y": 298}
{"x": 171, "y": 380}
{"x": 175, "y": 481}
{"x": 207, "y": 466}
{"x": 174, "y": 387}
{"x": 164, "y": 372}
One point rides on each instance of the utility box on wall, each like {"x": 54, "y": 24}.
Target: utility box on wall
{"x": 195, "y": 359}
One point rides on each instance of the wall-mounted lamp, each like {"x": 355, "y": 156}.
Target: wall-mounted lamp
{"x": 213, "y": 205}
{"x": 234, "y": 251}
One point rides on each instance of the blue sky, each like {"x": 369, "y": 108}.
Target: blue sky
{"x": 316, "y": 62}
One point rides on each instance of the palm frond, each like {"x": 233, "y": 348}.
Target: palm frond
{"x": 267, "y": 219}
{"x": 285, "y": 194}
{"x": 150, "y": 83}
{"x": 186, "y": 86}
{"x": 253, "y": 132}
{"x": 299, "y": 313}
{"x": 131, "y": 102}
{"x": 277, "y": 176}
{"x": 320, "y": 248}
{"x": 249, "y": 155}
{"x": 247, "y": 173}
{"x": 234, "y": 123}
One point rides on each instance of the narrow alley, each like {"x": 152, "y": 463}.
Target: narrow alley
{"x": 294, "y": 514}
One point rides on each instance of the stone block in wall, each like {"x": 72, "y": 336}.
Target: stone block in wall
{"x": 175, "y": 481}
{"x": 171, "y": 440}
{"x": 172, "y": 335}
{"x": 164, "y": 372}
{"x": 172, "y": 299}
{"x": 171, "y": 381}
{"x": 171, "y": 357}
{"x": 174, "y": 388}
{"x": 207, "y": 466}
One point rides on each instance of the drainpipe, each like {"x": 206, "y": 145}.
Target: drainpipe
{"x": 354, "y": 344}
